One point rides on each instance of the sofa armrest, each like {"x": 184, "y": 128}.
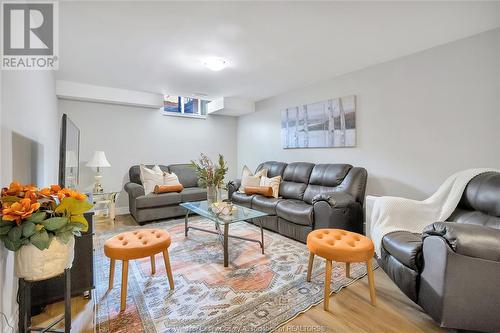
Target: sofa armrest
{"x": 233, "y": 186}
{"x": 335, "y": 199}
{"x": 468, "y": 239}
{"x": 134, "y": 190}
{"x": 337, "y": 210}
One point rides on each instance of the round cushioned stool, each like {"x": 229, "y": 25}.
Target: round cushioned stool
{"x": 135, "y": 245}
{"x": 343, "y": 246}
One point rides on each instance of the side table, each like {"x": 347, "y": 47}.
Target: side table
{"x": 108, "y": 199}
{"x": 24, "y": 299}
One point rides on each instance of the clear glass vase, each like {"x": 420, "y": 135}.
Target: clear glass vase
{"x": 212, "y": 195}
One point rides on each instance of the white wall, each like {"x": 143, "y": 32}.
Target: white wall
{"x": 419, "y": 118}
{"x": 29, "y": 109}
{"x": 134, "y": 135}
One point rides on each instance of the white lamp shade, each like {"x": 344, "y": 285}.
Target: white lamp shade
{"x": 98, "y": 160}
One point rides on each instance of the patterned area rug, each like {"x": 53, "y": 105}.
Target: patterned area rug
{"x": 256, "y": 293}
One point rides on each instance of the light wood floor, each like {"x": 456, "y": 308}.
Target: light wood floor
{"x": 350, "y": 310}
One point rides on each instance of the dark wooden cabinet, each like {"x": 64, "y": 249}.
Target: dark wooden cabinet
{"x": 82, "y": 273}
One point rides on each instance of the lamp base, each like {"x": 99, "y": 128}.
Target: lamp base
{"x": 97, "y": 186}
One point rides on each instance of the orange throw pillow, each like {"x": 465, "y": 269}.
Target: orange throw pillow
{"x": 266, "y": 191}
{"x": 168, "y": 188}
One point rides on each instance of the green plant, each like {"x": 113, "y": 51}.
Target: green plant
{"x": 210, "y": 174}
{"x": 32, "y": 216}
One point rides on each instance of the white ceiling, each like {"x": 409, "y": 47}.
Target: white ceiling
{"x": 272, "y": 46}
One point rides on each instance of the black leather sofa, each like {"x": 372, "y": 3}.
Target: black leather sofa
{"x": 310, "y": 197}
{"x": 452, "y": 269}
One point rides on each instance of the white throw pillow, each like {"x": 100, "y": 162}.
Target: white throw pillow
{"x": 170, "y": 179}
{"x": 150, "y": 177}
{"x": 249, "y": 179}
{"x": 274, "y": 183}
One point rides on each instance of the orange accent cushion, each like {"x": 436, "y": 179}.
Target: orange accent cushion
{"x": 168, "y": 188}
{"x": 266, "y": 191}
{"x": 340, "y": 245}
{"x": 137, "y": 244}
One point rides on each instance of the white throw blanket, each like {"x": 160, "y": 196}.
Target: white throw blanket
{"x": 391, "y": 214}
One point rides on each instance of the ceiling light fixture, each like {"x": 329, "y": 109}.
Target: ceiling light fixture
{"x": 215, "y": 63}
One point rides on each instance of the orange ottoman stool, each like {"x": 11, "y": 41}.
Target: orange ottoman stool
{"x": 343, "y": 246}
{"x": 137, "y": 244}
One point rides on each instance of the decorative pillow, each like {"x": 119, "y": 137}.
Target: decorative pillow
{"x": 168, "y": 188}
{"x": 150, "y": 177}
{"x": 171, "y": 179}
{"x": 249, "y": 179}
{"x": 274, "y": 183}
{"x": 266, "y": 191}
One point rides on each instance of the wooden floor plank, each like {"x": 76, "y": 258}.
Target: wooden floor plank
{"x": 350, "y": 309}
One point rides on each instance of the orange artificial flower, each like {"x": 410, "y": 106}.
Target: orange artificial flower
{"x": 30, "y": 188}
{"x": 53, "y": 190}
{"x": 18, "y": 211}
{"x": 66, "y": 192}
{"x": 33, "y": 196}
{"x": 14, "y": 189}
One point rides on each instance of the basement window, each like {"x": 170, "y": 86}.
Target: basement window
{"x": 184, "y": 106}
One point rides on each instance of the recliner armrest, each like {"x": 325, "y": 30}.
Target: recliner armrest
{"x": 467, "y": 239}
{"x": 233, "y": 186}
{"x": 335, "y": 199}
{"x": 134, "y": 190}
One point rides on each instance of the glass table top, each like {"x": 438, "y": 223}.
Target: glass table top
{"x": 239, "y": 214}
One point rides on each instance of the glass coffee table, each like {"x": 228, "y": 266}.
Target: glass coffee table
{"x": 223, "y": 222}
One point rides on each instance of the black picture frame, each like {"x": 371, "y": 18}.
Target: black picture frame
{"x": 69, "y": 131}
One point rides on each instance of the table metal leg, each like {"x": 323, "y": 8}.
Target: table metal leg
{"x": 186, "y": 228}
{"x": 226, "y": 240}
{"x": 23, "y": 306}
{"x": 261, "y": 235}
{"x": 67, "y": 301}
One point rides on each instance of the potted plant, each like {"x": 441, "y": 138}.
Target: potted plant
{"x": 211, "y": 176}
{"x": 39, "y": 226}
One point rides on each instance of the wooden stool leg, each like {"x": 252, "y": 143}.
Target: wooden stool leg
{"x": 328, "y": 277}
{"x": 168, "y": 269}
{"x": 123, "y": 303}
{"x": 310, "y": 267}
{"x": 111, "y": 273}
{"x": 153, "y": 264}
{"x": 348, "y": 269}
{"x": 371, "y": 281}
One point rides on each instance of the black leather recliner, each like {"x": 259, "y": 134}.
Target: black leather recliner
{"x": 452, "y": 269}
{"x": 310, "y": 197}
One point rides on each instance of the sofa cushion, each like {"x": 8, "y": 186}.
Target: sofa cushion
{"x": 324, "y": 179}
{"x": 295, "y": 211}
{"x": 158, "y": 200}
{"x": 266, "y": 205}
{"x": 295, "y": 178}
{"x": 186, "y": 174}
{"x": 242, "y": 199}
{"x": 193, "y": 194}
{"x": 405, "y": 247}
{"x": 273, "y": 168}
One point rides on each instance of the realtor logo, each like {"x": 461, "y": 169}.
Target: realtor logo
{"x": 29, "y": 35}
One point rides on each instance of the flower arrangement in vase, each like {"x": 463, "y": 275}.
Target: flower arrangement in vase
{"x": 211, "y": 175}
{"x": 39, "y": 225}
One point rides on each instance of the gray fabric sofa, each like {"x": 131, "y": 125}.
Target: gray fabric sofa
{"x": 452, "y": 269}
{"x": 311, "y": 196}
{"x": 151, "y": 207}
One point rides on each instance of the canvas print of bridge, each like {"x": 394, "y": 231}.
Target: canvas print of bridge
{"x": 330, "y": 123}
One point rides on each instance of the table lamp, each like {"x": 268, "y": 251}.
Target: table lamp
{"x": 98, "y": 161}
